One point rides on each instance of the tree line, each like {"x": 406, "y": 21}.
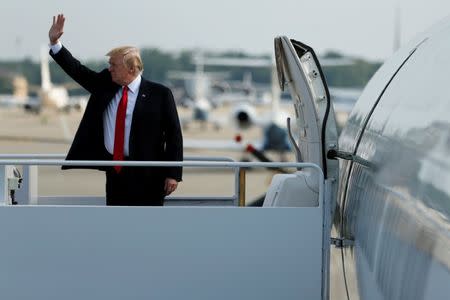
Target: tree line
{"x": 158, "y": 63}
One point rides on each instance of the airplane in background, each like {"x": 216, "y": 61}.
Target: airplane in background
{"x": 53, "y": 96}
{"x": 205, "y": 91}
{"x": 49, "y": 95}
{"x": 274, "y": 135}
{"x": 238, "y": 91}
{"x": 198, "y": 86}
{"x": 20, "y": 94}
{"x": 243, "y": 114}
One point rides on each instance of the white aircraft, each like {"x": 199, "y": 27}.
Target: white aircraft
{"x": 237, "y": 91}
{"x": 202, "y": 99}
{"x": 20, "y": 93}
{"x": 50, "y": 96}
{"x": 273, "y": 124}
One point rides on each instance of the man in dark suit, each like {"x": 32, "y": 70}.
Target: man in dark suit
{"x": 127, "y": 118}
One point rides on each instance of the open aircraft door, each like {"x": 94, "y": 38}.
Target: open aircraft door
{"x": 299, "y": 69}
{"x": 316, "y": 131}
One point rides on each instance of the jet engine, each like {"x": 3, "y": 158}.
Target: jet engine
{"x": 243, "y": 116}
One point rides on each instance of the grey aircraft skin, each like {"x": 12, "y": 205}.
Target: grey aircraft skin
{"x": 393, "y": 203}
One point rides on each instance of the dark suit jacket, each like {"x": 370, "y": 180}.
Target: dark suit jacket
{"x": 155, "y": 131}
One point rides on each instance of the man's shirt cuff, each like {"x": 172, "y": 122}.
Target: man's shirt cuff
{"x": 56, "y": 47}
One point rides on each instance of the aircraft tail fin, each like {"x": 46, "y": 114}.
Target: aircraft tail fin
{"x": 45, "y": 70}
{"x": 276, "y": 93}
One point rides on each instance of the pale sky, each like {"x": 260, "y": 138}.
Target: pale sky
{"x": 355, "y": 27}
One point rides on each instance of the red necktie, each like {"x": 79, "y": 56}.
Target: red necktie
{"x": 119, "y": 133}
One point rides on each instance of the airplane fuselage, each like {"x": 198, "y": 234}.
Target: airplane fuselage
{"x": 394, "y": 202}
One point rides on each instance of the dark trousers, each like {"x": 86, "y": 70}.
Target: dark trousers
{"x": 136, "y": 186}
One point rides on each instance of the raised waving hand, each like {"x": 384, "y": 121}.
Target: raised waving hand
{"x": 57, "y": 28}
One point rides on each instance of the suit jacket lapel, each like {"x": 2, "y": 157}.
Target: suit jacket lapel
{"x": 108, "y": 96}
{"x": 142, "y": 97}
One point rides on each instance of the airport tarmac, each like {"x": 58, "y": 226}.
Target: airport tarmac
{"x": 52, "y": 133}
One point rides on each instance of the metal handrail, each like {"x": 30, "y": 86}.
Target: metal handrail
{"x": 62, "y": 156}
{"x": 237, "y": 197}
{"x": 136, "y": 163}
{"x": 203, "y": 164}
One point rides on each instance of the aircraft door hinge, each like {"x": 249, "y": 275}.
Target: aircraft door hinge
{"x": 341, "y": 242}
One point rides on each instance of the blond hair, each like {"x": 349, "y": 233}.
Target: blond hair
{"x": 131, "y": 57}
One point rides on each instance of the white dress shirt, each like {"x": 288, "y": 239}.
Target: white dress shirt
{"x": 109, "y": 116}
